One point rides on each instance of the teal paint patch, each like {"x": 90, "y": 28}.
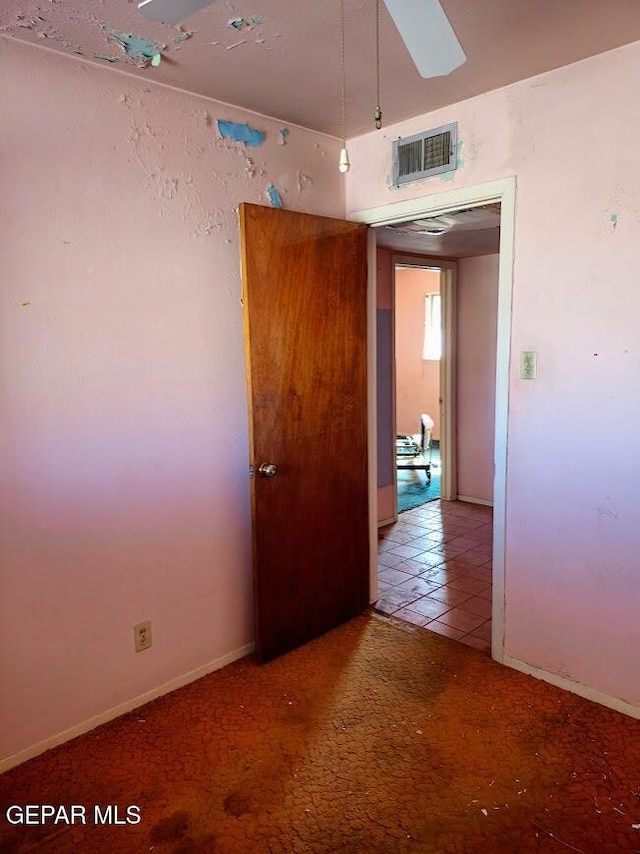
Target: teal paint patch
{"x": 449, "y": 176}
{"x": 137, "y": 46}
{"x": 614, "y": 219}
{"x": 274, "y": 197}
{"x": 244, "y": 24}
{"x": 182, "y": 37}
{"x": 156, "y": 60}
{"x": 236, "y": 132}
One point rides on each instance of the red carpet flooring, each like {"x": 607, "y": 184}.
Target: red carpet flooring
{"x": 371, "y": 739}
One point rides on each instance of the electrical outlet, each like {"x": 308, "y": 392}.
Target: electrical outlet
{"x": 142, "y": 635}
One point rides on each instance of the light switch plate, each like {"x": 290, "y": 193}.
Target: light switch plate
{"x": 528, "y": 365}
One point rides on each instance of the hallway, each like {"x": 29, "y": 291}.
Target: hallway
{"x": 435, "y": 568}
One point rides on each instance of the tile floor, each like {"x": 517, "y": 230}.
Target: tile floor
{"x": 434, "y": 570}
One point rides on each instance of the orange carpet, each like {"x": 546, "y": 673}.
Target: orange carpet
{"x": 371, "y": 739}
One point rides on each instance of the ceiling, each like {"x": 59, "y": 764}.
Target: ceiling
{"x": 283, "y": 61}
{"x": 461, "y": 234}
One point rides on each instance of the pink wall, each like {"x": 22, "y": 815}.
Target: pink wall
{"x": 572, "y": 535}
{"x": 123, "y": 466}
{"x": 417, "y": 380}
{"x": 477, "y": 307}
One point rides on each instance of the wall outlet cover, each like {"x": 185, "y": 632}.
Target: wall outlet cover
{"x": 142, "y": 635}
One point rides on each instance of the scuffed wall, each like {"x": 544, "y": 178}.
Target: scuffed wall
{"x": 572, "y": 573}
{"x": 123, "y": 465}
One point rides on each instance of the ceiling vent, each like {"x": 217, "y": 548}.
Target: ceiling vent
{"x": 430, "y": 153}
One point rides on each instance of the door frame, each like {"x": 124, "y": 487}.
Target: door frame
{"x": 504, "y": 192}
{"x": 447, "y": 391}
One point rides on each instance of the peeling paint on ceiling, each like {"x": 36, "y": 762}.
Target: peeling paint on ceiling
{"x": 139, "y": 48}
{"x": 278, "y": 63}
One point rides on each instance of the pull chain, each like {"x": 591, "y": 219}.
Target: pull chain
{"x": 343, "y": 164}
{"x": 377, "y": 116}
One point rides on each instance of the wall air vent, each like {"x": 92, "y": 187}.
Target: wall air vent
{"x": 425, "y": 154}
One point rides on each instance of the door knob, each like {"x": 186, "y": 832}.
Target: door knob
{"x": 267, "y": 469}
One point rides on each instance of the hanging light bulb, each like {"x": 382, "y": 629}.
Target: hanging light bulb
{"x": 343, "y": 163}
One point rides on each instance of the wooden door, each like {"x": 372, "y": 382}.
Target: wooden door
{"x": 304, "y": 294}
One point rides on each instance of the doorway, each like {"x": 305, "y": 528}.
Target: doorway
{"x": 417, "y": 395}
{"x": 503, "y": 193}
{"x": 435, "y": 562}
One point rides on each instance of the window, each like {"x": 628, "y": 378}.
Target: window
{"x": 432, "y": 348}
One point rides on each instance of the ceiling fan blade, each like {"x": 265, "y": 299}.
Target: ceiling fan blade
{"x": 428, "y": 35}
{"x": 171, "y": 11}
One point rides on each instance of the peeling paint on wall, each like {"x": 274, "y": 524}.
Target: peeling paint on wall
{"x": 179, "y": 294}
{"x": 613, "y": 219}
{"x": 274, "y": 197}
{"x": 450, "y": 176}
{"x": 128, "y": 101}
{"x": 252, "y": 170}
{"x": 283, "y": 133}
{"x": 244, "y": 133}
{"x": 213, "y": 222}
{"x": 148, "y": 145}
{"x": 303, "y": 181}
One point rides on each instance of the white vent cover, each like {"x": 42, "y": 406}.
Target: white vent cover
{"x": 425, "y": 154}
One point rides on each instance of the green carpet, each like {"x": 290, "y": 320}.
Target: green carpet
{"x": 413, "y": 490}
